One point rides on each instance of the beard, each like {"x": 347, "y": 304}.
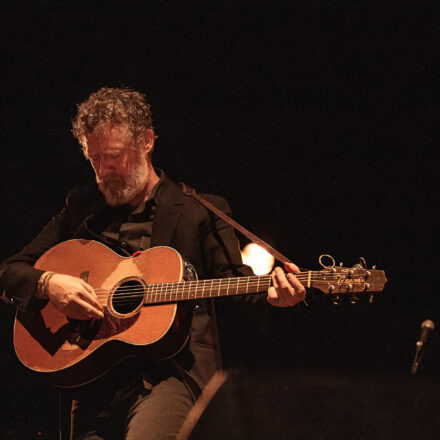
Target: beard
{"x": 119, "y": 190}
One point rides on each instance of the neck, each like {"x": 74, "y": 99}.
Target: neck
{"x": 143, "y": 195}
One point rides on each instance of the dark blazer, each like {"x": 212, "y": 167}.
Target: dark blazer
{"x": 181, "y": 222}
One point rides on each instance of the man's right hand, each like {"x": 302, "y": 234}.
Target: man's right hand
{"x": 74, "y": 297}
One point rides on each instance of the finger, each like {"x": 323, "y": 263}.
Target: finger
{"x": 285, "y": 287}
{"x": 90, "y": 296}
{"x": 88, "y": 287}
{"x": 87, "y": 310}
{"x": 272, "y": 297}
{"x": 294, "y": 282}
{"x": 85, "y": 301}
{"x": 291, "y": 267}
{"x": 272, "y": 293}
{"x": 282, "y": 292}
{"x": 275, "y": 283}
{"x": 290, "y": 290}
{"x": 300, "y": 290}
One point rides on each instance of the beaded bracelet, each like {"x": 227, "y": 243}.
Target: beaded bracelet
{"x": 42, "y": 285}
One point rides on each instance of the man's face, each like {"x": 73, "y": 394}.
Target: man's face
{"x": 121, "y": 170}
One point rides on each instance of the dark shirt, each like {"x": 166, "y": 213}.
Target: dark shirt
{"x": 133, "y": 226}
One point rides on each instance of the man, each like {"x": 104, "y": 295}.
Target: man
{"x": 136, "y": 207}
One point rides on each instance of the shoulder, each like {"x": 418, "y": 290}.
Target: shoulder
{"x": 218, "y": 201}
{"x": 174, "y": 194}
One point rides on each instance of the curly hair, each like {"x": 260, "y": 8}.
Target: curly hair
{"x": 113, "y": 105}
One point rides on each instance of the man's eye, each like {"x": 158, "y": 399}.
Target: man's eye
{"x": 113, "y": 156}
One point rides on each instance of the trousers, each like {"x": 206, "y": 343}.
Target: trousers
{"x": 125, "y": 406}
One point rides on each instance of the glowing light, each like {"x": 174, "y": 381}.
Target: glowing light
{"x": 257, "y": 258}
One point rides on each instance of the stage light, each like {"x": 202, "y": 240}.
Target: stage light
{"x": 259, "y": 259}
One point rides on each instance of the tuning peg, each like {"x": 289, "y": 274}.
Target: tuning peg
{"x": 374, "y": 267}
{"x": 371, "y": 299}
{"x": 341, "y": 264}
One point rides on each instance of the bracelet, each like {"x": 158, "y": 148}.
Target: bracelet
{"x": 42, "y": 285}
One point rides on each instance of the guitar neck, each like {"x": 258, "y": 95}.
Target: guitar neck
{"x": 337, "y": 281}
{"x": 214, "y": 288}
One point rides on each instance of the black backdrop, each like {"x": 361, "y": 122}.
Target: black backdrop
{"x": 317, "y": 120}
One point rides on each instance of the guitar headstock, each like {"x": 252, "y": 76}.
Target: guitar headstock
{"x": 340, "y": 281}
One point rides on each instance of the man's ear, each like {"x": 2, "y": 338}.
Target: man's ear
{"x": 149, "y": 141}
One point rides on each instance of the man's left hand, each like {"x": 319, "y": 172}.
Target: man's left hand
{"x": 286, "y": 290}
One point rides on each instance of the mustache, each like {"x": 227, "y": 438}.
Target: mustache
{"x": 111, "y": 179}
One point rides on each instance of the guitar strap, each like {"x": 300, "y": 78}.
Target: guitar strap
{"x": 192, "y": 192}
{"x": 189, "y": 191}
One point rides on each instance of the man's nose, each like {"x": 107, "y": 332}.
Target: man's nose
{"x": 105, "y": 168}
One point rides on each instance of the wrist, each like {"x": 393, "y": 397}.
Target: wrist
{"x": 43, "y": 285}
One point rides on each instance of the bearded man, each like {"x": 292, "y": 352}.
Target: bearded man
{"x": 132, "y": 208}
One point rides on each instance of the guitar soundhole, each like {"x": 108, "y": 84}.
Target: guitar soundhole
{"x": 128, "y": 297}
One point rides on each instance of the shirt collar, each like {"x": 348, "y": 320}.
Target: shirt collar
{"x": 154, "y": 194}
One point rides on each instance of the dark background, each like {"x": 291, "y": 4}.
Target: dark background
{"x": 317, "y": 120}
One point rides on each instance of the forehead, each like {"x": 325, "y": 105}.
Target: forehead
{"x": 109, "y": 137}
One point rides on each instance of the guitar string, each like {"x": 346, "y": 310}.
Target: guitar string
{"x": 182, "y": 290}
{"x": 297, "y": 275}
{"x": 168, "y": 298}
{"x": 173, "y": 296}
{"x": 218, "y": 282}
{"x": 199, "y": 285}
{"x": 180, "y": 293}
{"x": 194, "y": 283}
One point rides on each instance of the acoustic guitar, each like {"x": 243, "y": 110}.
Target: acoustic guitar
{"x": 148, "y": 307}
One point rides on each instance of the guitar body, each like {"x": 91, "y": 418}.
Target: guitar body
{"x": 147, "y": 307}
{"x": 73, "y": 352}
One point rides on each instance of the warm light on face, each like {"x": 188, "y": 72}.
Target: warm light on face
{"x": 257, "y": 258}
{"x": 121, "y": 170}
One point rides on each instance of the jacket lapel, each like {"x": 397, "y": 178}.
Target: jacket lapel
{"x": 168, "y": 211}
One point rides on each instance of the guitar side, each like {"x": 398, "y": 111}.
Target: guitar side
{"x": 72, "y": 353}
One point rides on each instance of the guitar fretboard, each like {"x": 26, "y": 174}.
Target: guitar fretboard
{"x": 326, "y": 281}
{"x": 190, "y": 290}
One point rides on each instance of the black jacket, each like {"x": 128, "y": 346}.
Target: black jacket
{"x": 181, "y": 222}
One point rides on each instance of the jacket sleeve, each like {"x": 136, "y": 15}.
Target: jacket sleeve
{"x": 222, "y": 252}
{"x": 18, "y": 277}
